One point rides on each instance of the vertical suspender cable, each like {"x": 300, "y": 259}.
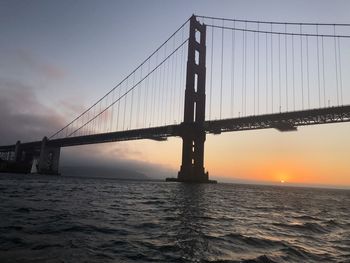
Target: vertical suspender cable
{"x": 181, "y": 75}
{"x": 254, "y": 73}
{"x": 266, "y": 71}
{"x": 258, "y": 68}
{"x": 271, "y": 70}
{"x": 145, "y": 104}
{"x": 340, "y": 74}
{"x": 179, "y": 86}
{"x": 164, "y": 89}
{"x": 132, "y": 101}
{"x": 139, "y": 100}
{"x": 293, "y": 72}
{"x": 118, "y": 109}
{"x": 286, "y": 51}
{"x": 318, "y": 69}
{"x": 323, "y": 75}
{"x": 172, "y": 91}
{"x": 307, "y": 71}
{"x": 153, "y": 92}
{"x": 99, "y": 118}
{"x": 153, "y": 75}
{"x": 112, "y": 112}
{"x": 176, "y": 98}
{"x": 301, "y": 68}
{"x": 211, "y": 69}
{"x": 156, "y": 92}
{"x": 87, "y": 128}
{"x": 105, "y": 116}
{"x": 233, "y": 70}
{"x": 102, "y": 117}
{"x": 125, "y": 100}
{"x": 184, "y": 76}
{"x": 160, "y": 92}
{"x": 222, "y": 66}
{"x": 94, "y": 119}
{"x": 168, "y": 95}
{"x": 336, "y": 65}
{"x": 279, "y": 71}
{"x": 245, "y": 70}
{"x": 243, "y": 48}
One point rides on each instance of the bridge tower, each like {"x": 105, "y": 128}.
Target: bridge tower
{"x": 192, "y": 128}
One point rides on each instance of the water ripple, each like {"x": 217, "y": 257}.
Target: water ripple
{"x": 89, "y": 220}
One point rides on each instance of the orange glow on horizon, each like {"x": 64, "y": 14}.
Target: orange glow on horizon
{"x": 264, "y": 156}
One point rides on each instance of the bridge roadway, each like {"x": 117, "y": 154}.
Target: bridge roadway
{"x": 286, "y": 121}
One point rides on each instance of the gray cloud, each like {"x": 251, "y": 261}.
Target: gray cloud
{"x": 24, "y": 118}
{"x": 106, "y": 156}
{"x": 29, "y": 60}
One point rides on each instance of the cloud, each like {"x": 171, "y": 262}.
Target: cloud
{"x": 22, "y": 115}
{"x": 29, "y": 60}
{"x": 24, "y": 118}
{"x": 107, "y": 156}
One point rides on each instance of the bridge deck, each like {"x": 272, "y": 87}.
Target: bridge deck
{"x": 285, "y": 121}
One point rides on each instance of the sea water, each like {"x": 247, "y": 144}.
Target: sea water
{"x": 66, "y": 219}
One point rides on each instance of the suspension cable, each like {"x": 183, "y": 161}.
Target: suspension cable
{"x": 271, "y": 22}
{"x": 278, "y": 33}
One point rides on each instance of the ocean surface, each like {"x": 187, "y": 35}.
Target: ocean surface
{"x": 66, "y": 219}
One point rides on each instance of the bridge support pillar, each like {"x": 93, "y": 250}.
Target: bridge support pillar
{"x": 18, "y": 152}
{"x": 192, "y": 129}
{"x": 49, "y": 158}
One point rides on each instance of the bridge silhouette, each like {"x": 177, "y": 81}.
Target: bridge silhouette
{"x": 261, "y": 75}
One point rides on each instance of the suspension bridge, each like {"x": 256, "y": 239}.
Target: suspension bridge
{"x": 212, "y": 75}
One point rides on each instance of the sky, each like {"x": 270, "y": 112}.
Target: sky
{"x": 58, "y": 57}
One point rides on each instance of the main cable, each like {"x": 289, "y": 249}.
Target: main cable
{"x": 270, "y": 22}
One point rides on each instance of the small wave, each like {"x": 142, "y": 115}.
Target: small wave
{"x": 87, "y": 229}
{"x": 112, "y": 244}
{"x": 9, "y": 228}
{"x": 9, "y": 243}
{"x": 308, "y": 227}
{"x": 260, "y": 259}
{"x": 315, "y": 227}
{"x": 153, "y": 202}
{"x": 44, "y": 246}
{"x": 22, "y": 210}
{"x": 298, "y": 253}
{"x": 306, "y": 217}
{"x": 332, "y": 223}
{"x": 147, "y": 225}
{"x": 251, "y": 241}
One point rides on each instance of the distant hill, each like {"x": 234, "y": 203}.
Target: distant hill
{"x": 102, "y": 172}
